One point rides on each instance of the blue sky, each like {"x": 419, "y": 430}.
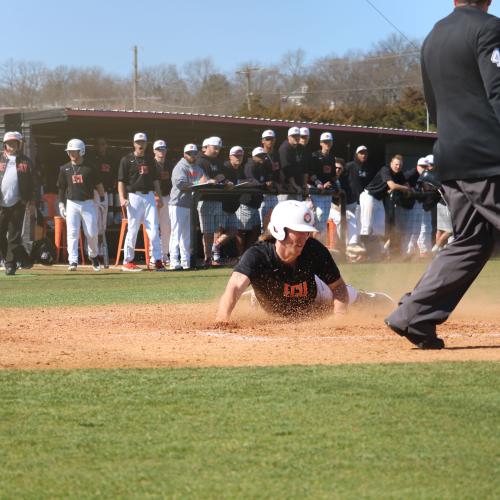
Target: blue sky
{"x": 102, "y": 33}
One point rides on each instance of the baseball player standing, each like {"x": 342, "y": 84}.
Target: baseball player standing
{"x": 467, "y": 155}
{"x": 292, "y": 274}
{"x": 77, "y": 181}
{"x": 107, "y": 171}
{"x": 18, "y": 188}
{"x": 290, "y": 154}
{"x": 323, "y": 175}
{"x": 138, "y": 183}
{"x": 273, "y": 177}
{"x": 210, "y": 205}
{"x": 185, "y": 174}
{"x": 165, "y": 174}
{"x": 372, "y": 211}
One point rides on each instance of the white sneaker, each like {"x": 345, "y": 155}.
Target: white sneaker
{"x": 175, "y": 267}
{"x": 72, "y": 266}
{"x": 95, "y": 264}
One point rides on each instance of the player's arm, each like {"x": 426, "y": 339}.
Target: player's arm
{"x": 122, "y": 191}
{"x": 340, "y": 296}
{"x": 100, "y": 190}
{"x": 236, "y": 285}
{"x": 393, "y": 186}
{"x": 157, "y": 188}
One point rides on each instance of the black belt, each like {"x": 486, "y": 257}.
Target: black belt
{"x": 143, "y": 192}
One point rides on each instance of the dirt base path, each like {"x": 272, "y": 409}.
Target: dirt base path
{"x": 184, "y": 335}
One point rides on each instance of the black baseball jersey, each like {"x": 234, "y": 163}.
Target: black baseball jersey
{"x": 272, "y": 168}
{"x": 255, "y": 172}
{"x": 323, "y": 167}
{"x": 77, "y": 182}
{"x": 357, "y": 176}
{"x": 291, "y": 160}
{"x": 378, "y": 187}
{"x": 107, "y": 170}
{"x": 212, "y": 168}
{"x": 165, "y": 176}
{"x": 287, "y": 289}
{"x": 138, "y": 173}
{"x": 231, "y": 203}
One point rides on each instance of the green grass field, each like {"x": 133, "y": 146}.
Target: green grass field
{"x": 405, "y": 431}
{"x": 355, "y": 431}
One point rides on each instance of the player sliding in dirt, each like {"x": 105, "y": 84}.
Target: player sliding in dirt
{"x": 291, "y": 273}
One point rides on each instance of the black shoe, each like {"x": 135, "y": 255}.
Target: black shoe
{"x": 10, "y": 270}
{"x": 96, "y": 266}
{"x": 421, "y": 341}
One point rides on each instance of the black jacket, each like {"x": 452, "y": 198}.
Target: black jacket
{"x": 461, "y": 74}
{"x": 26, "y": 176}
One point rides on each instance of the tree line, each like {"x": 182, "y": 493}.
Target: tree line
{"x": 379, "y": 87}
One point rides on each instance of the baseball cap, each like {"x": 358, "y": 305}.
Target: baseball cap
{"x": 294, "y": 131}
{"x": 258, "y": 151}
{"x": 190, "y": 148}
{"x": 304, "y": 131}
{"x": 12, "y": 136}
{"x": 430, "y": 159}
{"x": 268, "y": 133}
{"x": 361, "y": 148}
{"x": 326, "y": 136}
{"x": 160, "y": 144}
{"x": 214, "y": 141}
{"x": 423, "y": 162}
{"x": 140, "y": 136}
{"x": 236, "y": 150}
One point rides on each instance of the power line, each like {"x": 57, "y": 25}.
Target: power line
{"x": 391, "y": 23}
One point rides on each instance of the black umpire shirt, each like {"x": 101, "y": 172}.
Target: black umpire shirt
{"x": 287, "y": 289}
{"x": 272, "y": 168}
{"x": 138, "y": 173}
{"x": 468, "y": 116}
{"x": 77, "y": 182}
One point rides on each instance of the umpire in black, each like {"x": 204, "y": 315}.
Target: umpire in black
{"x": 461, "y": 75}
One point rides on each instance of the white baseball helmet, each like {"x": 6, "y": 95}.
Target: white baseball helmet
{"x": 76, "y": 145}
{"x": 12, "y": 136}
{"x": 291, "y": 214}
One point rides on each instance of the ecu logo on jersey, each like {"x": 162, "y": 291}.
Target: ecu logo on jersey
{"x": 295, "y": 291}
{"x": 143, "y": 169}
{"x": 77, "y": 179}
{"x": 105, "y": 167}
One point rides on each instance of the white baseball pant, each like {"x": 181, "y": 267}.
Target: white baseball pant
{"x": 84, "y": 213}
{"x": 180, "y": 236}
{"x": 372, "y": 215}
{"x": 142, "y": 210}
{"x": 165, "y": 227}
{"x": 352, "y": 213}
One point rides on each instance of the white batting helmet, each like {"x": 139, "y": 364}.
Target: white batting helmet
{"x": 76, "y": 145}
{"x": 291, "y": 214}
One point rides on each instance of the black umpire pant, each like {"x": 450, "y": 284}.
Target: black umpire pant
{"x": 475, "y": 212}
{"x": 11, "y": 226}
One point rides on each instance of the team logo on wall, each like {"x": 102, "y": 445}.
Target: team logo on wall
{"x": 307, "y": 217}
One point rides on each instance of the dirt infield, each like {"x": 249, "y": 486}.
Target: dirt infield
{"x": 184, "y": 335}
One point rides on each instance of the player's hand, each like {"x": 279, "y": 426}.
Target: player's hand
{"x": 159, "y": 203}
{"x": 62, "y": 210}
{"x": 321, "y": 186}
{"x": 327, "y": 185}
{"x": 223, "y": 324}
{"x": 124, "y": 203}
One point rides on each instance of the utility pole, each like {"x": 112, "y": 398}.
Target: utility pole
{"x": 247, "y": 71}
{"x": 135, "y": 81}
